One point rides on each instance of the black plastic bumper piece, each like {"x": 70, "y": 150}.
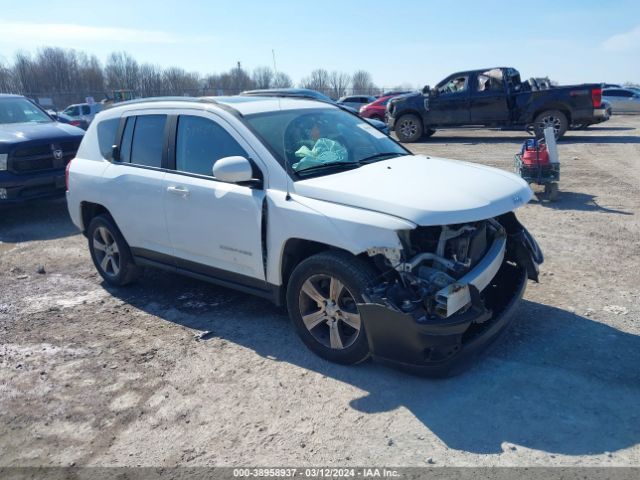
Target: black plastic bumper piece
{"x": 443, "y": 347}
{"x": 32, "y": 186}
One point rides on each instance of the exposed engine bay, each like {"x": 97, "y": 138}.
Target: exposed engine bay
{"x": 441, "y": 270}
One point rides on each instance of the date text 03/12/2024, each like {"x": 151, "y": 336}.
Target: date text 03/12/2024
{"x": 316, "y": 472}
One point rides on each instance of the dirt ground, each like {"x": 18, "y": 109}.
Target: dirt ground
{"x": 172, "y": 371}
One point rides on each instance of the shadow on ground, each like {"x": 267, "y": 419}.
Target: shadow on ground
{"x": 576, "y": 201}
{"x": 557, "y": 382}
{"x": 43, "y": 220}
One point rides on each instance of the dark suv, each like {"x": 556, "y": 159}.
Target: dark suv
{"x": 34, "y": 150}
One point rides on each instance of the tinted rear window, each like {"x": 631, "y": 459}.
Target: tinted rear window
{"x": 148, "y": 138}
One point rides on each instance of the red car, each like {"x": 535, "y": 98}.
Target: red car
{"x": 376, "y": 109}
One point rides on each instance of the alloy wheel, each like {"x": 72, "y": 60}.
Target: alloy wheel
{"x": 551, "y": 121}
{"x": 106, "y": 251}
{"x": 329, "y": 311}
{"x": 408, "y": 128}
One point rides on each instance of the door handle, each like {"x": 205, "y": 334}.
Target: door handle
{"x": 178, "y": 191}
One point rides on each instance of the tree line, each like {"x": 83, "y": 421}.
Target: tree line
{"x": 68, "y": 76}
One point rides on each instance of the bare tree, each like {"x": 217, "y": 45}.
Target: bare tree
{"x": 150, "y": 81}
{"x": 24, "y": 72}
{"x": 121, "y": 71}
{"x": 362, "y": 83}
{"x": 339, "y": 82}
{"x": 282, "y": 80}
{"x": 8, "y": 82}
{"x": 263, "y": 77}
{"x": 178, "y": 82}
{"x": 91, "y": 77}
{"x": 318, "y": 80}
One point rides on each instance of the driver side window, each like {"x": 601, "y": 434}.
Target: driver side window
{"x": 200, "y": 142}
{"x": 455, "y": 85}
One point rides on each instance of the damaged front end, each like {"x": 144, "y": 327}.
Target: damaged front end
{"x": 448, "y": 292}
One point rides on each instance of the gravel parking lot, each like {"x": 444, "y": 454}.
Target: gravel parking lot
{"x": 171, "y": 371}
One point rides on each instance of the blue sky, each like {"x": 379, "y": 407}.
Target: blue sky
{"x": 409, "y": 42}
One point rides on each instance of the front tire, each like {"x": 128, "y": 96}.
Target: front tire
{"x": 110, "y": 252}
{"x": 409, "y": 128}
{"x": 551, "y": 118}
{"x": 322, "y": 294}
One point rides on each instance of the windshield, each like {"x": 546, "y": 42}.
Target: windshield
{"x": 21, "y": 110}
{"x": 72, "y": 111}
{"x": 321, "y": 141}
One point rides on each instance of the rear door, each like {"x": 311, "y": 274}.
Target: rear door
{"x": 136, "y": 183}
{"x": 488, "y": 98}
{"x": 214, "y": 227}
{"x": 450, "y": 104}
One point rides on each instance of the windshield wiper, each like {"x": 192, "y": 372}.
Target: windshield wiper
{"x": 380, "y": 156}
{"x": 329, "y": 165}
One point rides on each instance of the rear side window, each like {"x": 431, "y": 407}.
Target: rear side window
{"x": 148, "y": 139}
{"x": 86, "y": 110}
{"x": 107, "y": 130}
{"x": 200, "y": 142}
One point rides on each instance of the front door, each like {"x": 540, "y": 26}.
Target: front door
{"x": 214, "y": 227}
{"x": 449, "y": 105}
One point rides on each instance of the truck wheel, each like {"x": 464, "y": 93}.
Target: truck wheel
{"x": 409, "y": 128}
{"x": 110, "y": 252}
{"x": 551, "y": 118}
{"x": 322, "y": 294}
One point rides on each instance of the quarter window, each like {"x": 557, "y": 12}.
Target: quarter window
{"x": 200, "y": 143}
{"x": 107, "y": 130}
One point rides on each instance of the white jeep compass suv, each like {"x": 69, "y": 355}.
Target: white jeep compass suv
{"x": 413, "y": 260}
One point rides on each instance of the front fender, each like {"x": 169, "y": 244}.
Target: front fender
{"x": 352, "y": 229}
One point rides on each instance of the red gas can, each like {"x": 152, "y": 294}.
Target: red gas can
{"x": 533, "y": 156}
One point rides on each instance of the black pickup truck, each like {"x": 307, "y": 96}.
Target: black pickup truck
{"x": 493, "y": 97}
{"x": 34, "y": 151}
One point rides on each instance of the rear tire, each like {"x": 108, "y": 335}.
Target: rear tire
{"x": 409, "y": 128}
{"x": 551, "y": 118}
{"x": 110, "y": 252}
{"x": 322, "y": 294}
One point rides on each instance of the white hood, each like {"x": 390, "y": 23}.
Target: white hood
{"x": 423, "y": 190}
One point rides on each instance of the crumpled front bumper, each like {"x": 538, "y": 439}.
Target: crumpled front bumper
{"x": 436, "y": 346}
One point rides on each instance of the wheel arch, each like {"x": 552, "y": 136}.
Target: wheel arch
{"x": 296, "y": 250}
{"x": 553, "y": 106}
{"x": 89, "y": 210}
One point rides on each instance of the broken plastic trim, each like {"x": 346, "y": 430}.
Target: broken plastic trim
{"x": 455, "y": 296}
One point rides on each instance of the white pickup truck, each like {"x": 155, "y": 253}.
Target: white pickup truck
{"x": 414, "y": 260}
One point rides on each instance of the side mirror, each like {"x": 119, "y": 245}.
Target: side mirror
{"x": 426, "y": 90}
{"x": 234, "y": 169}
